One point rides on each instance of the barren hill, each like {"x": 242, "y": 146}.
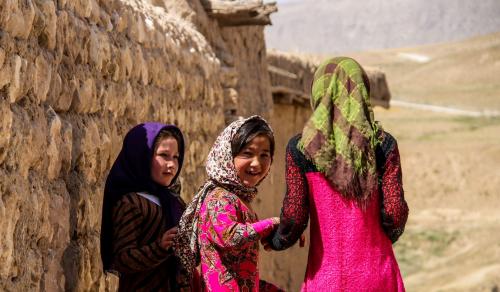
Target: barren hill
{"x": 331, "y": 26}
{"x": 450, "y": 162}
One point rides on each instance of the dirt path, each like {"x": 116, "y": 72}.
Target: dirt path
{"x": 444, "y": 109}
{"x": 451, "y": 178}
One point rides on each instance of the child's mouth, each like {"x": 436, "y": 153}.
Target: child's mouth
{"x": 253, "y": 173}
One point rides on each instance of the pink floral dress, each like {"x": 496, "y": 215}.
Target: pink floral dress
{"x": 229, "y": 234}
{"x": 218, "y": 228}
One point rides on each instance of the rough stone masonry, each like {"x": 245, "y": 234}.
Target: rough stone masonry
{"x": 76, "y": 75}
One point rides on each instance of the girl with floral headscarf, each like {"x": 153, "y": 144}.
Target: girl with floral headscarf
{"x": 219, "y": 227}
{"x": 344, "y": 173}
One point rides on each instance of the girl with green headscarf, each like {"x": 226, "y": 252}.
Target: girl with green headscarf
{"x": 343, "y": 171}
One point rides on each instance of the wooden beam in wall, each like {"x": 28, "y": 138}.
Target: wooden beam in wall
{"x": 240, "y": 12}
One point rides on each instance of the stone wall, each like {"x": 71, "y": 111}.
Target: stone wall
{"x": 247, "y": 46}
{"x": 74, "y": 77}
{"x": 291, "y": 77}
{"x": 284, "y": 268}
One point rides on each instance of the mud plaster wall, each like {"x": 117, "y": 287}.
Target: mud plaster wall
{"x": 247, "y": 45}
{"x": 285, "y": 268}
{"x": 74, "y": 77}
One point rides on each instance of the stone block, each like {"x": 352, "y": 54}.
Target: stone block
{"x": 48, "y": 33}
{"x": 5, "y": 69}
{"x": 18, "y": 68}
{"x": 42, "y": 78}
{"x": 18, "y": 18}
{"x": 28, "y": 141}
{"x": 5, "y": 129}
{"x": 87, "y": 158}
{"x": 136, "y": 30}
{"x": 82, "y": 8}
{"x": 99, "y": 49}
{"x": 118, "y": 106}
{"x": 61, "y": 93}
{"x": 139, "y": 68}
{"x": 126, "y": 63}
{"x": 54, "y": 142}
{"x": 2, "y": 57}
{"x": 61, "y": 4}
{"x": 59, "y": 218}
{"x": 230, "y": 98}
{"x": 9, "y": 212}
{"x": 120, "y": 21}
{"x": 85, "y": 99}
{"x": 66, "y": 147}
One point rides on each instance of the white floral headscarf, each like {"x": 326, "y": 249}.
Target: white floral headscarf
{"x": 221, "y": 172}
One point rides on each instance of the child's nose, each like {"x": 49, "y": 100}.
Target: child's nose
{"x": 255, "y": 162}
{"x": 169, "y": 164}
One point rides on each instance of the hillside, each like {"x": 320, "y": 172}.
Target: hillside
{"x": 450, "y": 162}
{"x": 461, "y": 74}
{"x": 327, "y": 26}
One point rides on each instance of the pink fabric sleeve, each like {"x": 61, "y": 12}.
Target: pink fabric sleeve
{"x": 227, "y": 229}
{"x": 263, "y": 227}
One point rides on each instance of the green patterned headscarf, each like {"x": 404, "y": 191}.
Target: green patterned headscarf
{"x": 341, "y": 135}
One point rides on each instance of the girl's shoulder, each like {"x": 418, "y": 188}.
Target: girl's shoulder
{"x": 221, "y": 194}
{"x": 135, "y": 200}
{"x": 130, "y": 202}
{"x": 129, "y": 199}
{"x": 387, "y": 146}
{"x": 292, "y": 143}
{"x": 388, "y": 142}
{"x": 299, "y": 159}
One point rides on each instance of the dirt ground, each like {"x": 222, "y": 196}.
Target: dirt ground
{"x": 451, "y": 173}
{"x": 451, "y": 163}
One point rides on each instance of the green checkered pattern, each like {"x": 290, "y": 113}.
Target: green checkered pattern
{"x": 343, "y": 118}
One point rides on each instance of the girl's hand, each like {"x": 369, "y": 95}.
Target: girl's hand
{"x": 167, "y": 238}
{"x": 302, "y": 240}
{"x": 276, "y": 220}
{"x": 265, "y": 244}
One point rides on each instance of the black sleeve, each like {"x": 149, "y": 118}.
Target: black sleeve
{"x": 295, "y": 210}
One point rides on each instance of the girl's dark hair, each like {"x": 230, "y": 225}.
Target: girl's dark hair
{"x": 165, "y": 133}
{"x": 248, "y": 131}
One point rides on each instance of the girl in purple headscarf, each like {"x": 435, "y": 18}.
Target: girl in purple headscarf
{"x": 141, "y": 208}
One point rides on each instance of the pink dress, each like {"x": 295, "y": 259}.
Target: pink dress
{"x": 350, "y": 248}
{"x": 229, "y": 234}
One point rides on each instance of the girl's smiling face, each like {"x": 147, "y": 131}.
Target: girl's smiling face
{"x": 253, "y": 162}
{"x": 165, "y": 161}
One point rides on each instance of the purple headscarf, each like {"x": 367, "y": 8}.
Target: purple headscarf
{"x": 131, "y": 172}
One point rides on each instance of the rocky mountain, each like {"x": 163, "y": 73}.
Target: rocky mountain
{"x": 333, "y": 26}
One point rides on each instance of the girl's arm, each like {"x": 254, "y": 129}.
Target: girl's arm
{"x": 394, "y": 206}
{"x": 221, "y": 224}
{"x": 129, "y": 256}
{"x": 295, "y": 210}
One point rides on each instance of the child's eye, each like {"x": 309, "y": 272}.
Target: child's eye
{"x": 247, "y": 153}
{"x": 165, "y": 156}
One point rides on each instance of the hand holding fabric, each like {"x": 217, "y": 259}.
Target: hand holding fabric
{"x": 302, "y": 240}
{"x": 168, "y": 238}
